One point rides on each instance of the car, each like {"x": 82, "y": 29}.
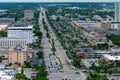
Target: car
{"x": 77, "y": 73}
{"x": 31, "y": 60}
{"x": 62, "y": 71}
{"x": 85, "y": 71}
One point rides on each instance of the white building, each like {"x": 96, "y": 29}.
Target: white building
{"x": 115, "y": 25}
{"x": 21, "y": 32}
{"x": 117, "y": 11}
{"x": 111, "y": 58}
{"x": 7, "y": 42}
{"x": 7, "y": 74}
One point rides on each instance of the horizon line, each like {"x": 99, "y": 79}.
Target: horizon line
{"x": 62, "y": 2}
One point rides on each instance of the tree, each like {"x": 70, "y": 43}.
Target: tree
{"x": 105, "y": 78}
{"x": 27, "y": 64}
{"x": 114, "y": 38}
{"x": 117, "y": 63}
{"x": 42, "y": 72}
{"x": 20, "y": 76}
{"x": 58, "y": 19}
{"x": 40, "y": 54}
{"x": 3, "y": 34}
{"x": 47, "y": 34}
{"x": 35, "y": 67}
{"x": 103, "y": 46}
{"x": 76, "y": 62}
{"x": 10, "y": 64}
{"x": 1, "y": 58}
{"x": 42, "y": 78}
{"x": 53, "y": 46}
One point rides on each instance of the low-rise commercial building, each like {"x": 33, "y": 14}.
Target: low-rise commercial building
{"x": 106, "y": 25}
{"x": 7, "y": 74}
{"x": 90, "y": 52}
{"x": 7, "y": 42}
{"x": 95, "y": 42}
{"x": 110, "y": 59}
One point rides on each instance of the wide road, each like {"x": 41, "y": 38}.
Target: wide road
{"x": 68, "y": 71}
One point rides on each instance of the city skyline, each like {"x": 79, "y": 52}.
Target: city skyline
{"x": 59, "y": 39}
{"x": 57, "y": 0}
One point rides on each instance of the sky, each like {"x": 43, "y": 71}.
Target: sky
{"x": 58, "y": 0}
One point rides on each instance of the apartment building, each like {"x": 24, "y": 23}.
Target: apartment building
{"x": 18, "y": 54}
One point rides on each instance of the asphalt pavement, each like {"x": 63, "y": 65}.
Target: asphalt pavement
{"x": 53, "y": 65}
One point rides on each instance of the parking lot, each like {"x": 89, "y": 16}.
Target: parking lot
{"x": 53, "y": 64}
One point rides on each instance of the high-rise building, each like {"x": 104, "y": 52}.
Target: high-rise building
{"x": 17, "y": 54}
{"x": 117, "y": 11}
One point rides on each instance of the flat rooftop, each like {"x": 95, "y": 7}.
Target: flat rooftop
{"x": 6, "y": 20}
{"x": 29, "y": 27}
{"x": 103, "y": 51}
{"x": 86, "y": 49}
{"x": 22, "y": 23}
{"x": 10, "y": 38}
{"x": 109, "y": 57}
{"x": 7, "y": 74}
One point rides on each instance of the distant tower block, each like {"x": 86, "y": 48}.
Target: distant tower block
{"x": 117, "y": 11}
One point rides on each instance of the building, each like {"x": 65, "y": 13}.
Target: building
{"x": 6, "y": 20}
{"x": 5, "y": 23}
{"x": 97, "y": 17}
{"x": 21, "y": 30}
{"x": 110, "y": 59}
{"x": 17, "y": 54}
{"x": 28, "y": 14}
{"x": 7, "y": 74}
{"x": 95, "y": 42}
{"x": 106, "y": 25}
{"x": 29, "y": 72}
{"x": 90, "y": 52}
{"x": 94, "y": 53}
{"x": 115, "y": 25}
{"x": 117, "y": 11}
{"x": 7, "y": 42}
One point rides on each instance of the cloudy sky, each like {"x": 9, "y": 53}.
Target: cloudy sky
{"x": 57, "y": 0}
